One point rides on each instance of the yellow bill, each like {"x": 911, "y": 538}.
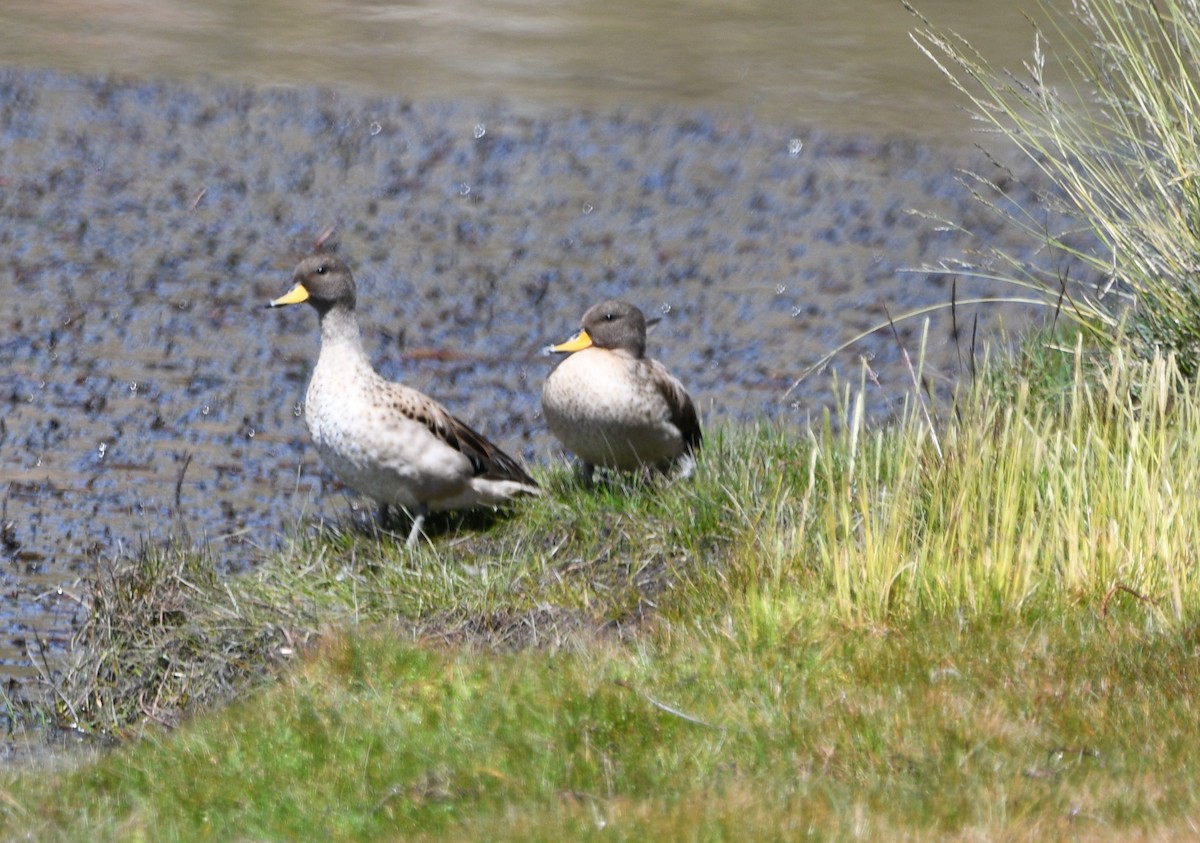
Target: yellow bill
{"x": 293, "y": 296}
{"x": 576, "y": 343}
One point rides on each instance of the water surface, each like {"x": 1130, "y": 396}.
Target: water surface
{"x": 838, "y": 66}
{"x": 749, "y": 170}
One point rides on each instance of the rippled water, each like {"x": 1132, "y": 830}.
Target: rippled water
{"x": 846, "y": 66}
{"x": 492, "y": 169}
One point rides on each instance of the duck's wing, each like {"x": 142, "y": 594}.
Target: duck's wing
{"x": 487, "y": 460}
{"x": 683, "y": 411}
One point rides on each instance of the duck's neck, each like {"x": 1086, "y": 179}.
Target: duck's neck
{"x": 340, "y": 335}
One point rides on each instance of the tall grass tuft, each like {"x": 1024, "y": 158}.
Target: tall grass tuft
{"x": 1023, "y": 502}
{"x": 1106, "y": 109}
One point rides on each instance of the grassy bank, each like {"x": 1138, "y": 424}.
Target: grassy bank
{"x": 764, "y": 724}
{"x": 974, "y": 621}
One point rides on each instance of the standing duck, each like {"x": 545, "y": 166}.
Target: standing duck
{"x": 386, "y": 440}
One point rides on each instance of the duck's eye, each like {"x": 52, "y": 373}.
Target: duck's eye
{"x": 608, "y": 317}
{"x": 322, "y": 269}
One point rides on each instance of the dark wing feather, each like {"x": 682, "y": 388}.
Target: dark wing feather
{"x": 683, "y": 411}
{"x": 487, "y": 460}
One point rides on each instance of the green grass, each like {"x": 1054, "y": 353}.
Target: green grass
{"x": 762, "y": 725}
{"x": 972, "y": 622}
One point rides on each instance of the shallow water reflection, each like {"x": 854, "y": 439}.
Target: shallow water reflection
{"x": 836, "y": 66}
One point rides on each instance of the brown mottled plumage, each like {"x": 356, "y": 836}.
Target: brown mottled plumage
{"x": 613, "y": 406}
{"x": 389, "y": 441}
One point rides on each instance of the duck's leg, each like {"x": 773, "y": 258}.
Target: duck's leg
{"x": 584, "y": 472}
{"x": 418, "y": 522}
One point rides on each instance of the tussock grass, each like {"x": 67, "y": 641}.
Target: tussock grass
{"x": 1105, "y": 108}
{"x": 1015, "y": 501}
